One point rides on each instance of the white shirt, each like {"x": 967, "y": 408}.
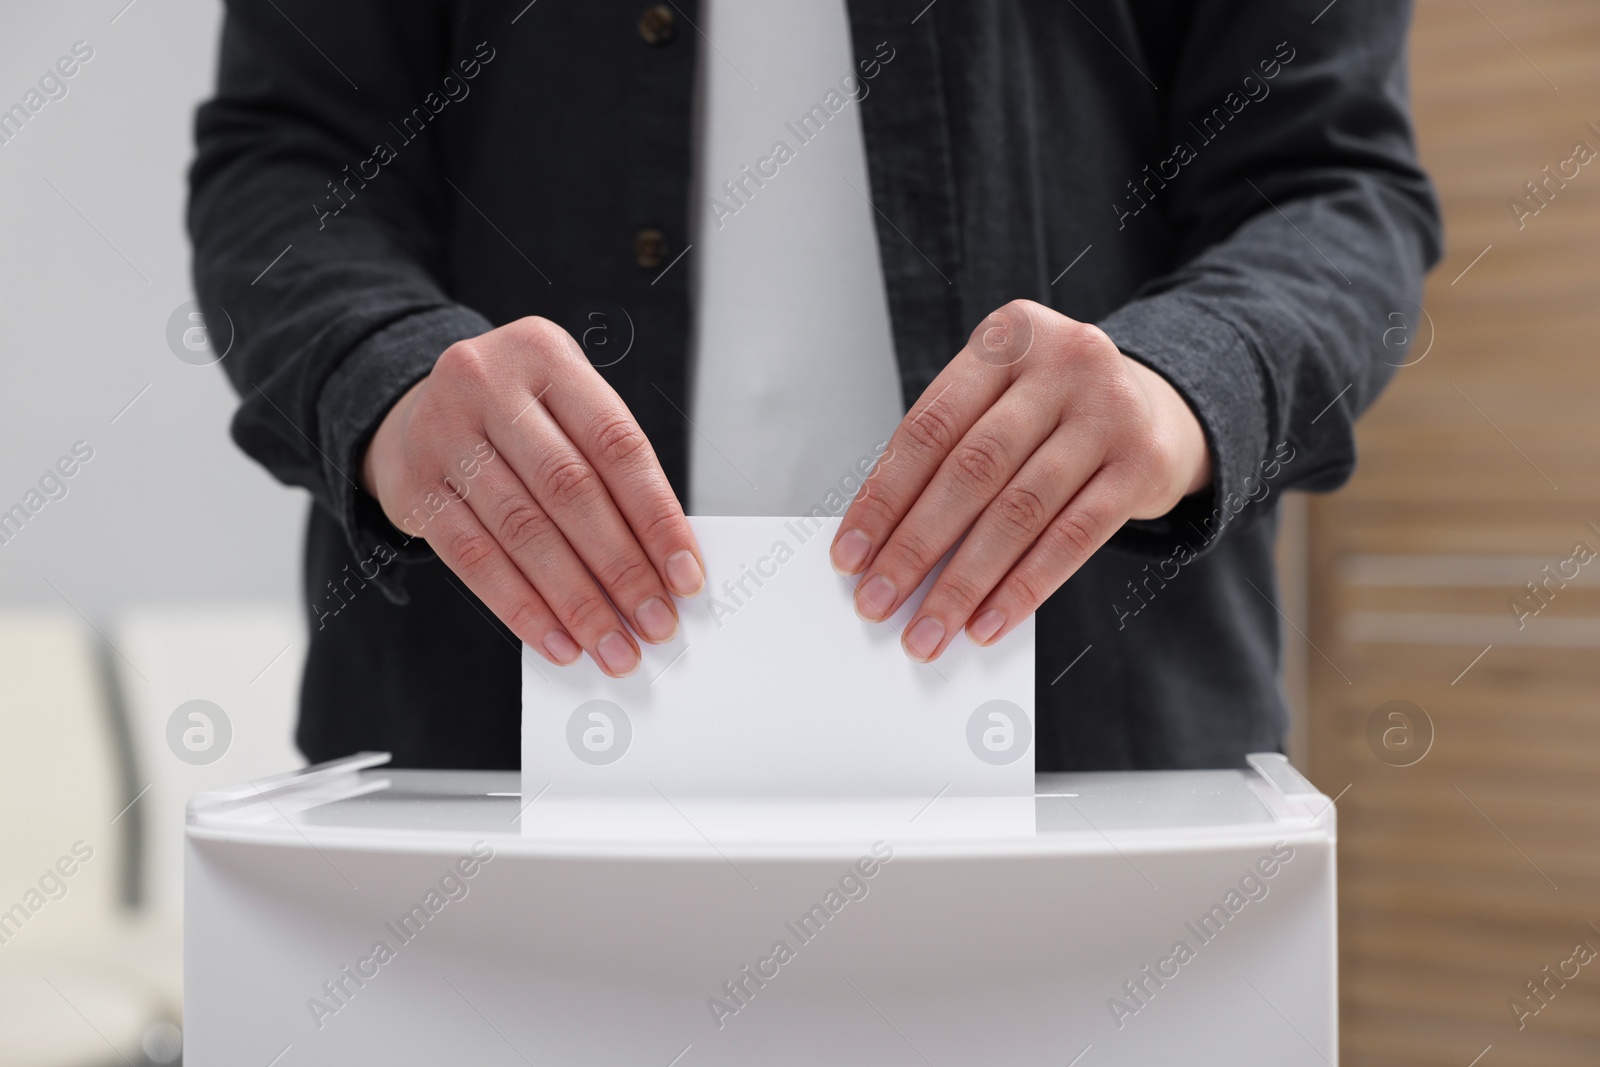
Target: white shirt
{"x": 793, "y": 386}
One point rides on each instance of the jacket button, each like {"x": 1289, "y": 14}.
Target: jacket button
{"x": 658, "y": 25}
{"x": 650, "y": 248}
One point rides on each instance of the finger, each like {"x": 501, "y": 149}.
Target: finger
{"x": 967, "y": 387}
{"x": 459, "y": 539}
{"x": 525, "y": 532}
{"x": 595, "y": 419}
{"x": 971, "y": 476}
{"x": 570, "y": 491}
{"x": 1096, "y": 512}
{"x": 1008, "y": 527}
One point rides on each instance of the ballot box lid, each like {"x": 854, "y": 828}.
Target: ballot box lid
{"x": 358, "y": 803}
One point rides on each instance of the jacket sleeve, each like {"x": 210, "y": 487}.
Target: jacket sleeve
{"x": 1303, "y": 222}
{"x": 315, "y": 220}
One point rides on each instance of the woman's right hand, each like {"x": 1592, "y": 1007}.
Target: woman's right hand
{"x": 530, "y": 479}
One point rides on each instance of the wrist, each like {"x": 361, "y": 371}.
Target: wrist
{"x": 386, "y": 446}
{"x": 1186, "y": 455}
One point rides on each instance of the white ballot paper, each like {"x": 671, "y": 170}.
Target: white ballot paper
{"x": 774, "y": 687}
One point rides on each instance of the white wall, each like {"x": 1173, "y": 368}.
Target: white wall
{"x": 168, "y": 508}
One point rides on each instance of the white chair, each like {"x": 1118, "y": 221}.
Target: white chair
{"x": 246, "y": 659}
{"x": 68, "y": 995}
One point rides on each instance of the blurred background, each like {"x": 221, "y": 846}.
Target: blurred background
{"x": 162, "y": 570}
{"x": 1443, "y": 619}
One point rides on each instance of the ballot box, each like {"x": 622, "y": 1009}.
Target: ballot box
{"x": 353, "y": 914}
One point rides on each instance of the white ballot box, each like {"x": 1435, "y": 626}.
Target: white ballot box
{"x": 348, "y": 914}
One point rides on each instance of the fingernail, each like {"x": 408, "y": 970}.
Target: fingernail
{"x": 985, "y": 626}
{"x": 850, "y": 553}
{"x": 562, "y": 648}
{"x": 656, "y": 620}
{"x": 617, "y": 653}
{"x": 922, "y": 640}
{"x": 875, "y": 598}
{"x": 684, "y": 573}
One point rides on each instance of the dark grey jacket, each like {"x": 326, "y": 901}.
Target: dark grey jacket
{"x": 1232, "y": 183}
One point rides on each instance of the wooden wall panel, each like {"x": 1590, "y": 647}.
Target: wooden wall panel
{"x": 1463, "y": 875}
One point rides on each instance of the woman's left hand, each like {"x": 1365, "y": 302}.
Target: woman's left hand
{"x": 1040, "y": 437}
